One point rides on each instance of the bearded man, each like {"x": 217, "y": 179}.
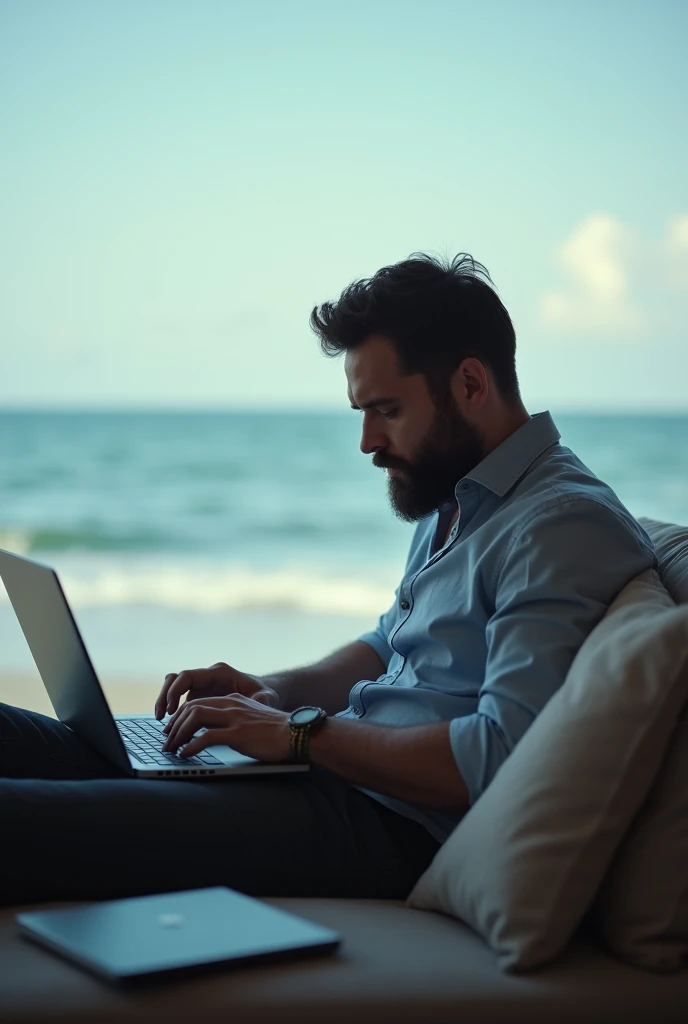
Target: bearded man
{"x": 518, "y": 551}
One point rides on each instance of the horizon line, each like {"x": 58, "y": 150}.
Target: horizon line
{"x": 597, "y": 409}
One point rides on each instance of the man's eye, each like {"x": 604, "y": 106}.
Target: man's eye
{"x": 389, "y": 415}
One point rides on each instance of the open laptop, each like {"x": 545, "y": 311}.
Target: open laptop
{"x": 128, "y": 940}
{"x": 131, "y": 742}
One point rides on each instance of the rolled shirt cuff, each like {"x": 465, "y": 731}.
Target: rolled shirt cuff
{"x": 479, "y": 750}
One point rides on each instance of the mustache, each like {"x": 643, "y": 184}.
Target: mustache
{"x": 387, "y": 464}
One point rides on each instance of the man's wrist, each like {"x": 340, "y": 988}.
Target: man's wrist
{"x": 304, "y": 723}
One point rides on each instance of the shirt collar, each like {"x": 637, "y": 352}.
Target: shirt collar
{"x": 506, "y": 463}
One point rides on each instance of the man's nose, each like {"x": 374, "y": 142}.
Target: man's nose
{"x": 372, "y": 438}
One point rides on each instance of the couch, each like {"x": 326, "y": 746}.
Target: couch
{"x": 396, "y": 963}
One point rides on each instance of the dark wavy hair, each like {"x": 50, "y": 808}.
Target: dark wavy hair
{"x": 435, "y": 312}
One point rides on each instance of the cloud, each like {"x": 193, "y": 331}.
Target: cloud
{"x": 597, "y": 258}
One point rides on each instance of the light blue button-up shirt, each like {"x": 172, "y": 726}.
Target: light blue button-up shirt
{"x": 484, "y": 628}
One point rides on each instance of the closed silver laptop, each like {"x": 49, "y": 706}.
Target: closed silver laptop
{"x": 125, "y": 940}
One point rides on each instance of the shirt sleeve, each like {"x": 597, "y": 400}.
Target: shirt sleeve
{"x": 559, "y": 574}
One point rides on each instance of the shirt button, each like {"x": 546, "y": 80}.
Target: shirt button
{"x": 357, "y": 711}
{"x": 404, "y": 606}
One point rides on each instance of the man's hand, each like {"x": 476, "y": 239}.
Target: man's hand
{"x": 217, "y": 681}
{"x": 249, "y": 726}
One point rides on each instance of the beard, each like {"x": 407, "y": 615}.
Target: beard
{"x": 450, "y": 449}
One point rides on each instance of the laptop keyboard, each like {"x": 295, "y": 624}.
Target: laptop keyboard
{"x": 144, "y": 739}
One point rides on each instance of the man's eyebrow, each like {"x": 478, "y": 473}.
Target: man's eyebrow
{"x": 375, "y": 402}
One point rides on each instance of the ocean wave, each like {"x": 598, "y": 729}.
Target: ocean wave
{"x": 207, "y": 590}
{"x": 203, "y": 525}
{"x": 95, "y": 538}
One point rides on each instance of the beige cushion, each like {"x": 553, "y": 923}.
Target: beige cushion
{"x": 642, "y": 908}
{"x": 671, "y": 545}
{"x": 523, "y": 866}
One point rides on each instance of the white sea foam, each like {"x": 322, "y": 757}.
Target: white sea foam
{"x": 205, "y": 589}
{"x": 17, "y": 541}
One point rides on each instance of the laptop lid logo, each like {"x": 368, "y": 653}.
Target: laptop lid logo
{"x": 171, "y": 920}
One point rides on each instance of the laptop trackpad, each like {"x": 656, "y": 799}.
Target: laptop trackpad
{"x": 225, "y": 753}
{"x": 229, "y": 756}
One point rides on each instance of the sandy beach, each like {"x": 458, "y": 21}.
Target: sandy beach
{"x": 133, "y": 648}
{"x": 124, "y": 695}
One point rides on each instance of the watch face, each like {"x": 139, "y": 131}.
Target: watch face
{"x": 304, "y": 716}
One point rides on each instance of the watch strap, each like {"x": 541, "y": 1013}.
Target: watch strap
{"x": 299, "y": 735}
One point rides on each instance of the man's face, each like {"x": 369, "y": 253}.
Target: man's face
{"x": 425, "y": 448}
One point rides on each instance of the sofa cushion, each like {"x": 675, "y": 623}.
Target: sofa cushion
{"x": 671, "y": 545}
{"x": 394, "y": 964}
{"x": 524, "y": 864}
{"x": 642, "y": 908}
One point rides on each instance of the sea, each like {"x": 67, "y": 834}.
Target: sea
{"x": 263, "y": 539}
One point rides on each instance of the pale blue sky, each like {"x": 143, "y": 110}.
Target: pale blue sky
{"x": 182, "y": 181}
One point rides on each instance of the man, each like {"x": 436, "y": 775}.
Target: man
{"x": 518, "y": 551}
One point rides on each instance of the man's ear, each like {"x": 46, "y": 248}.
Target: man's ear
{"x": 470, "y": 385}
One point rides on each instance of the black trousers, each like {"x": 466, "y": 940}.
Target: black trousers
{"x": 73, "y": 828}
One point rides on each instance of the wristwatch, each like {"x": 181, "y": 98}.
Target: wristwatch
{"x": 303, "y": 722}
